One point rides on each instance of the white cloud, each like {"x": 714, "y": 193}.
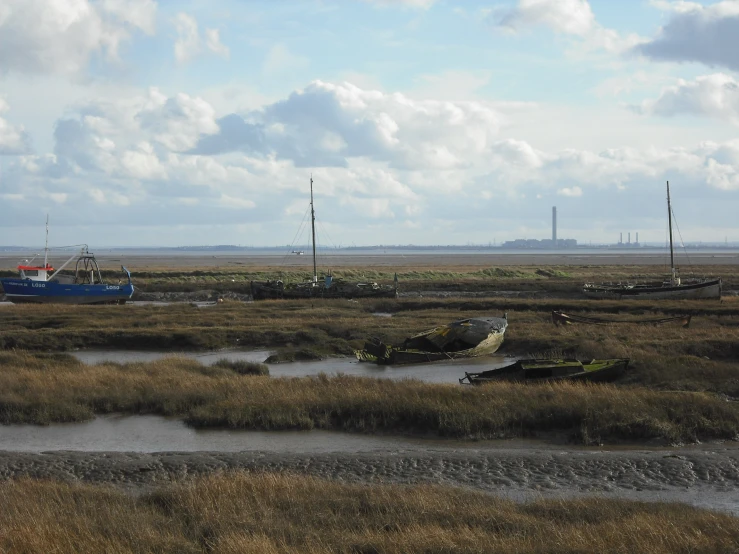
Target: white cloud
{"x": 714, "y": 95}
{"x": 697, "y": 33}
{"x": 570, "y": 191}
{"x": 569, "y": 17}
{"x": 326, "y": 124}
{"x": 13, "y": 138}
{"x": 190, "y": 44}
{"x": 572, "y": 17}
{"x": 380, "y": 162}
{"x": 177, "y": 121}
{"x": 51, "y": 36}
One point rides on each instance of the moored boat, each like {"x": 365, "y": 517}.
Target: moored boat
{"x": 43, "y": 284}
{"x": 673, "y": 288}
{"x": 536, "y": 370}
{"x": 466, "y": 338}
{"x": 328, "y": 287}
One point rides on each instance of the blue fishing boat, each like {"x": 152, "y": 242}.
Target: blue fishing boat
{"x": 44, "y": 284}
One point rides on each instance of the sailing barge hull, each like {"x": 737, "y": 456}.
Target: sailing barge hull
{"x": 272, "y": 290}
{"x": 689, "y": 291}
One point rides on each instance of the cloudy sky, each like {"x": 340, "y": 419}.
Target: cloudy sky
{"x": 141, "y": 123}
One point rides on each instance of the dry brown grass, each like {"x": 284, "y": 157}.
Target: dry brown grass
{"x": 57, "y": 388}
{"x": 271, "y": 513}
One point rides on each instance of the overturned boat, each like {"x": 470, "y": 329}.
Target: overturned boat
{"x": 552, "y": 370}
{"x": 466, "y": 338}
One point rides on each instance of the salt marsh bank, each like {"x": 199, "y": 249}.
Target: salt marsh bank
{"x": 140, "y": 452}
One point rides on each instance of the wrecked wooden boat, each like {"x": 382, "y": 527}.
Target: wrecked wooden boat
{"x": 561, "y": 318}
{"x": 327, "y": 287}
{"x": 466, "y": 338}
{"x": 536, "y": 370}
{"x": 673, "y": 287}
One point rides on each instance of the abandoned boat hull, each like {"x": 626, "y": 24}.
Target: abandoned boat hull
{"x": 552, "y": 370}
{"x": 710, "y": 289}
{"x": 442, "y": 343}
{"x": 276, "y": 290}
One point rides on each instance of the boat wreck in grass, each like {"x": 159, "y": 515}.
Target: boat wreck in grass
{"x": 561, "y": 318}
{"x": 672, "y": 288}
{"x": 326, "y": 288}
{"x": 466, "y": 338}
{"x": 552, "y": 370}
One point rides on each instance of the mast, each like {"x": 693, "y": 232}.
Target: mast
{"x": 669, "y": 220}
{"x": 313, "y": 230}
{"x": 46, "y": 246}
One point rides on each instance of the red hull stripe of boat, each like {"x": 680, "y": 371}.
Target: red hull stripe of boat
{"x": 32, "y": 268}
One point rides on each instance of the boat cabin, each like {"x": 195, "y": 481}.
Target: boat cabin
{"x": 35, "y": 273}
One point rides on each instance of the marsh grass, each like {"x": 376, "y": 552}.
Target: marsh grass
{"x": 43, "y": 390}
{"x": 243, "y": 367}
{"x": 281, "y": 513}
{"x": 703, "y": 357}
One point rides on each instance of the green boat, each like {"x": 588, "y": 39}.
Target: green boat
{"x": 466, "y": 338}
{"x": 552, "y": 370}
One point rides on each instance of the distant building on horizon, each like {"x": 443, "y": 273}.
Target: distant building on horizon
{"x": 544, "y": 244}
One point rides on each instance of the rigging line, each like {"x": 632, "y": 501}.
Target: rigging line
{"x": 326, "y": 232}
{"x": 298, "y": 234}
{"x": 681, "y": 240}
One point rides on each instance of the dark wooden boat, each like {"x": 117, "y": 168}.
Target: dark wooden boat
{"x": 673, "y": 288}
{"x": 561, "y": 318}
{"x": 466, "y": 338}
{"x": 328, "y": 287}
{"x": 552, "y": 370}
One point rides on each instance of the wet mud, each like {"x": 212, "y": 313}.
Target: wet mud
{"x": 707, "y": 478}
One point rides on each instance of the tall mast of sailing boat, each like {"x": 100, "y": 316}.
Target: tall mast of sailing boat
{"x": 46, "y": 246}
{"x": 313, "y": 229}
{"x": 669, "y": 220}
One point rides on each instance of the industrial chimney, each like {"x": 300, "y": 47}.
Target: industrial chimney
{"x": 637, "y": 237}
{"x": 629, "y": 237}
{"x": 620, "y": 238}
{"x": 554, "y": 225}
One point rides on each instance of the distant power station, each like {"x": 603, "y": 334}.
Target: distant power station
{"x": 628, "y": 243}
{"x": 552, "y": 243}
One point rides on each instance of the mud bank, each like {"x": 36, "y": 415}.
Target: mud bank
{"x": 707, "y": 478}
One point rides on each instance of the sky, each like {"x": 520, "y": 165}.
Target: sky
{"x": 184, "y": 123}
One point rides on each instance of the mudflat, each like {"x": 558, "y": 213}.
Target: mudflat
{"x": 165, "y": 260}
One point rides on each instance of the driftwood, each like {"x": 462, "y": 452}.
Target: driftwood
{"x": 568, "y": 319}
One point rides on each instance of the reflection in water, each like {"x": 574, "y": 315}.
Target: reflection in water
{"x": 436, "y": 372}
{"x": 150, "y": 433}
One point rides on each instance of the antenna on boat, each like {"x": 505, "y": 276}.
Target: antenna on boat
{"x": 669, "y": 220}
{"x": 313, "y": 229}
{"x": 46, "y": 246}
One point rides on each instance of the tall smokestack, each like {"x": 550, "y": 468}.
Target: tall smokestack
{"x": 554, "y": 225}
{"x": 629, "y": 237}
{"x": 620, "y": 238}
{"x": 637, "y": 237}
